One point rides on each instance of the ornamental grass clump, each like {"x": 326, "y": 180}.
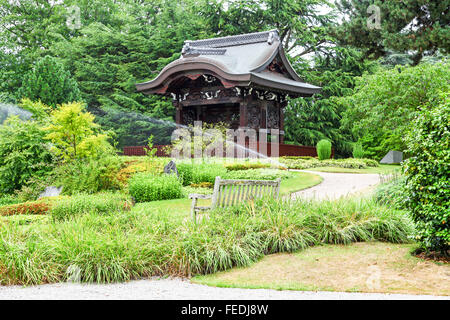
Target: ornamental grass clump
{"x": 323, "y": 149}
{"x": 137, "y": 244}
{"x": 82, "y": 204}
{"x": 196, "y": 173}
{"x": 145, "y": 187}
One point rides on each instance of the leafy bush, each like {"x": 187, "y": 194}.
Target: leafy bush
{"x": 259, "y": 174}
{"x": 358, "y": 151}
{"x": 40, "y": 207}
{"x": 381, "y": 109}
{"x": 428, "y": 176}
{"x": 75, "y": 135}
{"x": 89, "y": 175}
{"x": 146, "y": 187}
{"x": 8, "y": 200}
{"x": 23, "y": 154}
{"x": 323, "y": 149}
{"x": 99, "y": 204}
{"x": 201, "y": 172}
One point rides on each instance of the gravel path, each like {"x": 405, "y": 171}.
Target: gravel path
{"x": 177, "y": 289}
{"x": 334, "y": 186}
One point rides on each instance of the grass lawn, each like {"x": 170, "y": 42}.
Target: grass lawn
{"x": 182, "y": 207}
{"x": 382, "y": 169}
{"x": 360, "y": 267}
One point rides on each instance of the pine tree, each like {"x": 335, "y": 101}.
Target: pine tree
{"x": 49, "y": 82}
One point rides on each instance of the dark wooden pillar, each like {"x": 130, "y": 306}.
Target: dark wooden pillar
{"x": 282, "y": 105}
{"x": 243, "y": 113}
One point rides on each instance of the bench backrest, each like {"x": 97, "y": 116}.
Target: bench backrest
{"x": 231, "y": 192}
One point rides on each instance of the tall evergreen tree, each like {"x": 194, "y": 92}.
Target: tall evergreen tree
{"x": 49, "y": 82}
{"x": 419, "y": 26}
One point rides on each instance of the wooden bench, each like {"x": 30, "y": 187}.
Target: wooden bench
{"x": 231, "y": 192}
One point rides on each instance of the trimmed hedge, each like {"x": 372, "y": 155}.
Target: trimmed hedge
{"x": 351, "y": 163}
{"x": 259, "y": 174}
{"x": 145, "y": 187}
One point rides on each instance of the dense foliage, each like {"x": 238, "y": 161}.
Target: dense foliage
{"x": 50, "y": 83}
{"x": 74, "y": 135}
{"x": 24, "y": 153}
{"x": 428, "y": 175}
{"x": 381, "y": 110}
{"x": 416, "y": 27}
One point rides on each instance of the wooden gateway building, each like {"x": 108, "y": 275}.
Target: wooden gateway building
{"x": 242, "y": 81}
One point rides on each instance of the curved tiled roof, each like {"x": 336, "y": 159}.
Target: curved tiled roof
{"x": 241, "y": 59}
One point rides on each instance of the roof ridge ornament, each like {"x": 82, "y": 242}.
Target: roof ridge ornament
{"x": 188, "y": 50}
{"x": 272, "y": 37}
{"x": 237, "y": 40}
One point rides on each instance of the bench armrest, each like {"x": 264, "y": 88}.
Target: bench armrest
{"x": 200, "y": 196}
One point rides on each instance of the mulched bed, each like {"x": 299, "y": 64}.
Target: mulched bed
{"x": 433, "y": 256}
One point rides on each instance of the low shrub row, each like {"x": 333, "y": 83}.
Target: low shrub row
{"x": 259, "y": 174}
{"x": 40, "y": 207}
{"x": 131, "y": 245}
{"x": 351, "y": 163}
{"x": 144, "y": 187}
{"x": 246, "y": 166}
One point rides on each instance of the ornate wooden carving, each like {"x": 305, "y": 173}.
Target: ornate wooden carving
{"x": 253, "y": 116}
{"x": 273, "y": 116}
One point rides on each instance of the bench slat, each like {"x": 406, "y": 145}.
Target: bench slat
{"x": 231, "y": 192}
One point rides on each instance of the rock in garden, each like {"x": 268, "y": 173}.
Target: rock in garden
{"x": 171, "y": 168}
{"x": 392, "y": 157}
{"x": 51, "y": 192}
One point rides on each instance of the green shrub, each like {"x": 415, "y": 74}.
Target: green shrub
{"x": 186, "y": 171}
{"x": 323, "y": 149}
{"x": 259, "y": 174}
{"x": 99, "y": 204}
{"x": 428, "y": 176}
{"x": 146, "y": 187}
{"x": 89, "y": 176}
{"x": 200, "y": 172}
{"x": 23, "y": 154}
{"x": 358, "y": 151}
{"x": 8, "y": 200}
